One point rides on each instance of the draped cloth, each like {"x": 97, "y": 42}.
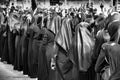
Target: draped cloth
{"x": 1, "y": 18}
{"x": 64, "y": 37}
{"x": 13, "y": 21}
{"x": 1, "y": 32}
{"x": 98, "y": 43}
{"x": 84, "y": 47}
{"x": 64, "y": 41}
{"x": 4, "y": 44}
{"x": 30, "y": 33}
{"x": 24, "y": 45}
{"x": 33, "y": 3}
{"x": 114, "y": 31}
{"x": 24, "y": 49}
{"x": 14, "y": 18}
{"x": 18, "y": 55}
{"x": 46, "y": 52}
{"x": 39, "y": 20}
{"x": 11, "y": 46}
{"x": 54, "y": 24}
{"x": 114, "y": 16}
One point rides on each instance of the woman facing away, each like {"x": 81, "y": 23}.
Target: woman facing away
{"x": 110, "y": 53}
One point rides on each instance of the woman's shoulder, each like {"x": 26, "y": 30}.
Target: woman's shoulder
{"x": 110, "y": 44}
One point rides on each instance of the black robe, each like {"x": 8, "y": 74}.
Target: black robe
{"x": 113, "y": 31}
{"x": 64, "y": 64}
{"x": 18, "y": 54}
{"x": 30, "y": 34}
{"x": 11, "y": 46}
{"x": 0, "y": 42}
{"x": 46, "y": 52}
{"x": 110, "y": 53}
{"x": 24, "y": 51}
{"x": 2, "y": 30}
{"x": 4, "y": 44}
{"x": 83, "y": 44}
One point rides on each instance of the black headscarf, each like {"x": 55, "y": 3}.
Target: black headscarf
{"x": 114, "y": 31}
{"x": 112, "y": 17}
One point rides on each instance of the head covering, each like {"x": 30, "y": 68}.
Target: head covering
{"x": 64, "y": 37}
{"x": 83, "y": 46}
{"x": 114, "y": 31}
{"x": 114, "y": 16}
{"x": 14, "y": 19}
{"x": 54, "y": 23}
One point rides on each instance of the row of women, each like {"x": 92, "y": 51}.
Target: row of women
{"x": 49, "y": 45}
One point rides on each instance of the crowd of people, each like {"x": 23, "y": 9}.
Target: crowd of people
{"x": 61, "y": 44}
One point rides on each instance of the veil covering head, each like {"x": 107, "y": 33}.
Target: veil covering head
{"x": 114, "y": 31}
{"x": 114, "y": 16}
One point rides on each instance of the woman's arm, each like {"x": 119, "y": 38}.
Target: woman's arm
{"x": 101, "y": 59}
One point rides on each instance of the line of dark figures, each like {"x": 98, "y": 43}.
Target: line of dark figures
{"x": 55, "y": 48}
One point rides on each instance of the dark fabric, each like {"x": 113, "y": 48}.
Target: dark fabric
{"x": 112, "y": 17}
{"x": 34, "y": 59}
{"x": 43, "y": 71}
{"x": 33, "y": 3}
{"x": 25, "y": 42}
{"x": 54, "y": 24}
{"x": 64, "y": 37}
{"x": 64, "y": 41}
{"x": 39, "y": 22}
{"x": 18, "y": 54}
{"x": 4, "y": 43}
{"x": 74, "y": 56}
{"x": 62, "y": 61}
{"x": 110, "y": 52}
{"x": 84, "y": 44}
{"x": 83, "y": 69}
{"x": 114, "y": 31}
{"x": 47, "y": 52}
{"x": 98, "y": 43}
{"x": 30, "y": 35}
{"x": 1, "y": 42}
{"x": 3, "y": 29}
{"x": 5, "y": 52}
{"x": 11, "y": 46}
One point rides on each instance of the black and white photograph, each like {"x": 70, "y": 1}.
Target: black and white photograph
{"x": 59, "y": 39}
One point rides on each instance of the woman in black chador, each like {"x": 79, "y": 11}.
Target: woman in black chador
{"x": 83, "y": 44}
{"x": 4, "y": 44}
{"x": 1, "y": 30}
{"x": 33, "y": 47}
{"x": 110, "y": 53}
{"x": 11, "y": 45}
{"x": 46, "y": 64}
{"x": 4, "y": 41}
{"x": 25, "y": 41}
{"x": 18, "y": 56}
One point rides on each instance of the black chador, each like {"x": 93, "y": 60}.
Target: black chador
{"x": 83, "y": 44}
{"x": 4, "y": 44}
{"x": 33, "y": 47}
{"x": 18, "y": 55}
